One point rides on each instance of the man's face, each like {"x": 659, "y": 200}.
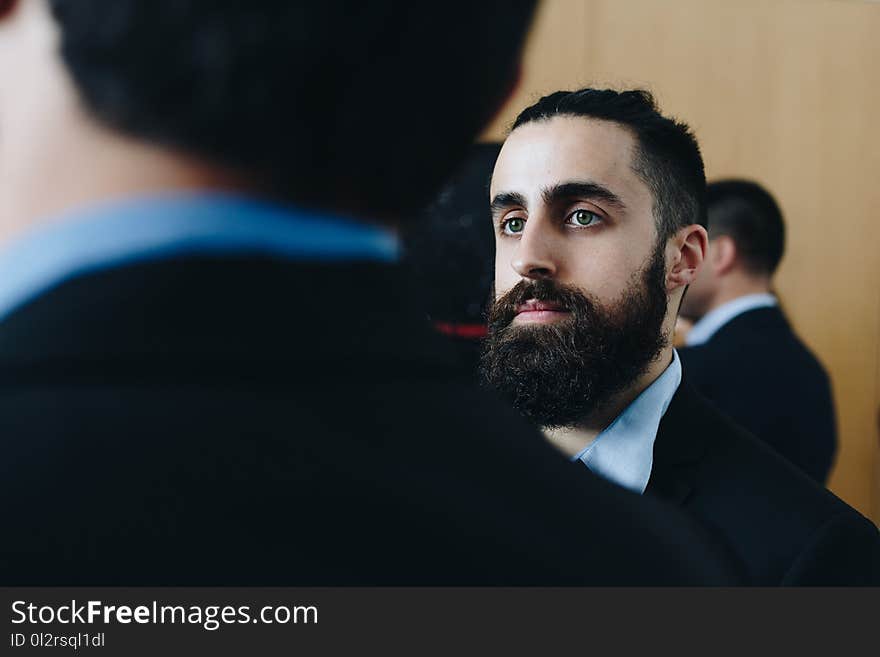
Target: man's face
{"x": 580, "y": 294}
{"x": 596, "y": 237}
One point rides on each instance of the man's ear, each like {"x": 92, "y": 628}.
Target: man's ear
{"x": 689, "y": 247}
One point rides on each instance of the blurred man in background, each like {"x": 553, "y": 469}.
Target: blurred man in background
{"x": 211, "y": 372}
{"x": 741, "y": 352}
{"x": 599, "y": 210}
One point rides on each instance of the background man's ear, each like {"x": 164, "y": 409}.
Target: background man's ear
{"x": 724, "y": 254}
{"x": 689, "y": 247}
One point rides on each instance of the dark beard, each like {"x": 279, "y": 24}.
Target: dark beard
{"x": 558, "y": 374}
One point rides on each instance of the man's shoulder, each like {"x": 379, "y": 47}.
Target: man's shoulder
{"x": 752, "y": 338}
{"x": 376, "y": 479}
{"x": 773, "y": 513}
{"x": 727, "y": 452}
{"x": 305, "y": 419}
{"x": 749, "y": 366}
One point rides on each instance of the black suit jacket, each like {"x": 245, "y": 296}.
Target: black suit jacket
{"x": 256, "y": 422}
{"x": 757, "y": 371}
{"x": 783, "y": 527}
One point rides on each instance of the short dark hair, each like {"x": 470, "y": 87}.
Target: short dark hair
{"x": 667, "y": 157}
{"x": 323, "y": 100}
{"x": 750, "y": 216}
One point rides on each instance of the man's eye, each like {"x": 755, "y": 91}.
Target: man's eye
{"x": 583, "y": 218}
{"x": 514, "y": 226}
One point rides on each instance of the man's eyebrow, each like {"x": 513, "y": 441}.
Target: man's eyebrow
{"x": 581, "y": 189}
{"x": 505, "y": 200}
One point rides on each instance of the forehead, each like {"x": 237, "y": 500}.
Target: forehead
{"x": 564, "y": 148}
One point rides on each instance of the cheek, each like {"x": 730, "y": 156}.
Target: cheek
{"x": 602, "y": 275}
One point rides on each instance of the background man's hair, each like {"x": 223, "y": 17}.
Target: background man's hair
{"x": 750, "y": 216}
{"x": 667, "y": 156}
{"x": 370, "y": 103}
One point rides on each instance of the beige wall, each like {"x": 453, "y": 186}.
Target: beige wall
{"x": 783, "y": 91}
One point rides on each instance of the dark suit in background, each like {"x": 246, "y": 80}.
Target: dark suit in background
{"x": 784, "y": 528}
{"x": 756, "y": 370}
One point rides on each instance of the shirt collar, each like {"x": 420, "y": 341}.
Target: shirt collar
{"x": 712, "y": 321}
{"x": 624, "y": 452}
{"x": 158, "y": 227}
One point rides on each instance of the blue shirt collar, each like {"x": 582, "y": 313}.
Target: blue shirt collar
{"x": 624, "y": 452}
{"x": 715, "y": 319}
{"x": 118, "y": 233}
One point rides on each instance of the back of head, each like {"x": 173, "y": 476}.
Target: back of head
{"x": 750, "y": 216}
{"x": 331, "y": 103}
{"x": 449, "y": 253}
{"x": 668, "y": 157}
{"x": 450, "y": 248}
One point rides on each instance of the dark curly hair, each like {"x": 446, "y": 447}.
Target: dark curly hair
{"x": 325, "y": 100}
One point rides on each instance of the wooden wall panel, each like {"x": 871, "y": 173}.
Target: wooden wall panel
{"x": 783, "y": 91}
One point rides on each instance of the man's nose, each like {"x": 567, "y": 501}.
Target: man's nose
{"x": 535, "y": 257}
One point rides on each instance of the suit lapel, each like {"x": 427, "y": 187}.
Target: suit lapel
{"x": 678, "y": 449}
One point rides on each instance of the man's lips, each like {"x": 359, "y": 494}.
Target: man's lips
{"x": 534, "y": 311}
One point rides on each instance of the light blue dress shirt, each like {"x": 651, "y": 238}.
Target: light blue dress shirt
{"x": 118, "y": 233}
{"x": 624, "y": 452}
{"x": 712, "y": 321}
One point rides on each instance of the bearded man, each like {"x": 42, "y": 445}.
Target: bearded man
{"x": 600, "y": 225}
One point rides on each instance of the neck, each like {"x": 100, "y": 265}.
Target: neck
{"x": 737, "y": 286}
{"x": 87, "y": 165}
{"x": 572, "y": 440}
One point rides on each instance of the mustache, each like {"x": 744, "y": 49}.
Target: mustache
{"x": 557, "y": 374}
{"x": 567, "y": 297}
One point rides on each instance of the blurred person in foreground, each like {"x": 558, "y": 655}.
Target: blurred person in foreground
{"x": 449, "y": 252}
{"x": 742, "y": 353}
{"x": 210, "y": 372}
{"x": 599, "y": 209}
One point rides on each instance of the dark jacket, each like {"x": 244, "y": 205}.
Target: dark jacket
{"x": 256, "y": 421}
{"x": 758, "y": 372}
{"x": 783, "y": 527}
